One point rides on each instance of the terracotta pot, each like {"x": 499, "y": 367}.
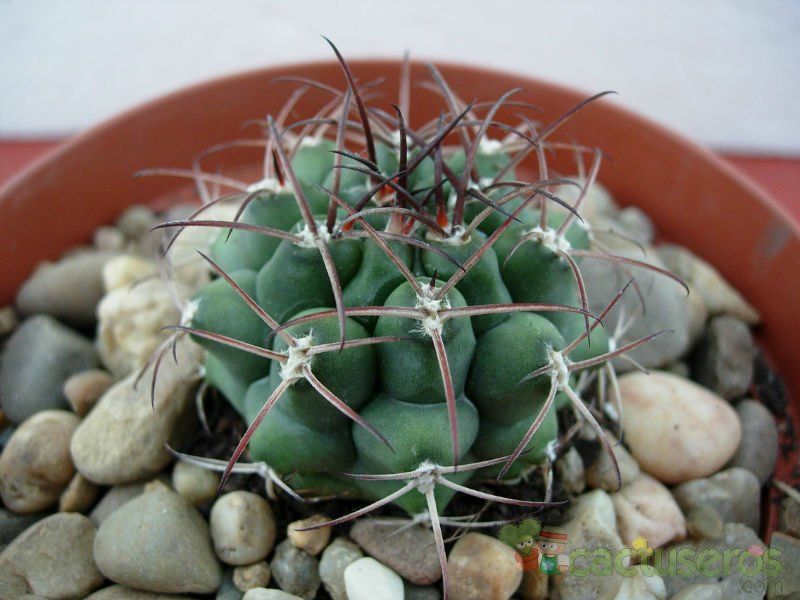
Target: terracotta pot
{"x": 694, "y": 198}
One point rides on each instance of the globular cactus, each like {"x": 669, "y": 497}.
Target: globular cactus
{"x": 394, "y": 322}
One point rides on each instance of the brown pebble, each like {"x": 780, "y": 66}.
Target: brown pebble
{"x": 252, "y": 576}
{"x": 8, "y": 320}
{"x": 79, "y": 496}
{"x": 84, "y": 389}
{"x": 312, "y": 541}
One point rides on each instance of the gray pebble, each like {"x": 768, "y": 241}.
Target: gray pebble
{"x": 158, "y": 542}
{"x": 570, "y": 472}
{"x": 228, "y": 589}
{"x": 704, "y": 522}
{"x": 120, "y": 592}
{"x": 295, "y": 571}
{"x": 68, "y": 290}
{"x": 758, "y": 449}
{"x": 335, "y": 559}
{"x": 113, "y": 499}
{"x": 52, "y": 558}
{"x": 667, "y": 308}
{"x": 734, "y": 493}
{"x": 735, "y": 584}
{"x": 38, "y": 359}
{"x": 787, "y": 585}
{"x": 789, "y": 517}
{"x": 136, "y": 221}
{"x": 723, "y": 361}
{"x": 420, "y": 592}
{"x": 410, "y": 551}
{"x": 12, "y": 524}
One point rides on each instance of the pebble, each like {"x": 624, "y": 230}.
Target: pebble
{"x": 131, "y": 324}
{"x": 228, "y": 589}
{"x": 68, "y": 290}
{"x": 642, "y": 587}
{"x": 78, "y": 496}
{"x": 312, "y": 541}
{"x": 37, "y": 360}
{"x": 252, "y": 576}
{"x": 758, "y": 449}
{"x": 571, "y": 472}
{"x": 158, "y": 542}
{"x": 35, "y": 466}
{"x": 410, "y": 551}
{"x": 126, "y": 271}
{"x": 122, "y": 439}
{"x": 136, "y": 221}
{"x": 723, "y": 361}
{"x": 83, "y": 390}
{"x": 787, "y": 585}
{"x": 534, "y": 586}
{"x": 598, "y": 204}
{"x": 295, "y": 571}
{"x": 480, "y": 566}
{"x": 645, "y": 508}
{"x": 269, "y": 594}
{"x": 196, "y": 484}
{"x": 717, "y": 294}
{"x": 12, "y": 524}
{"x": 703, "y": 522}
{"x": 697, "y": 317}
{"x": 108, "y": 239}
{"x": 636, "y": 224}
{"x": 590, "y": 523}
{"x": 734, "y": 493}
{"x": 335, "y": 559}
{"x": 602, "y": 474}
{"x": 242, "y": 527}
{"x": 789, "y": 517}
{"x": 735, "y": 584}
{"x": 52, "y": 558}
{"x": 666, "y": 301}
{"x": 113, "y": 499}
{"x": 120, "y": 592}
{"x": 700, "y": 591}
{"x": 367, "y": 579}
{"x": 420, "y": 592}
{"x": 8, "y": 320}
{"x": 194, "y": 271}
{"x": 675, "y": 429}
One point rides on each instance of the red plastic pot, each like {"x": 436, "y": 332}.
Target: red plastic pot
{"x": 694, "y": 198}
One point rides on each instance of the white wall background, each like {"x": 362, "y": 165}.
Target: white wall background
{"x": 726, "y": 72}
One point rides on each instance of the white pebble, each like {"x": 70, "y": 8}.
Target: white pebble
{"x": 367, "y": 579}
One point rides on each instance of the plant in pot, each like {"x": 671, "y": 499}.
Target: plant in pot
{"x": 404, "y": 315}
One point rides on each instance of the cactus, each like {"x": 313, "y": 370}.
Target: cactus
{"x": 396, "y": 322}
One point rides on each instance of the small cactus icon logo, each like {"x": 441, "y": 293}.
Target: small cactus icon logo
{"x": 537, "y": 549}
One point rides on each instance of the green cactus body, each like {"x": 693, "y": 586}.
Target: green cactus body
{"x": 396, "y": 342}
{"x": 397, "y": 313}
{"x": 397, "y": 386}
